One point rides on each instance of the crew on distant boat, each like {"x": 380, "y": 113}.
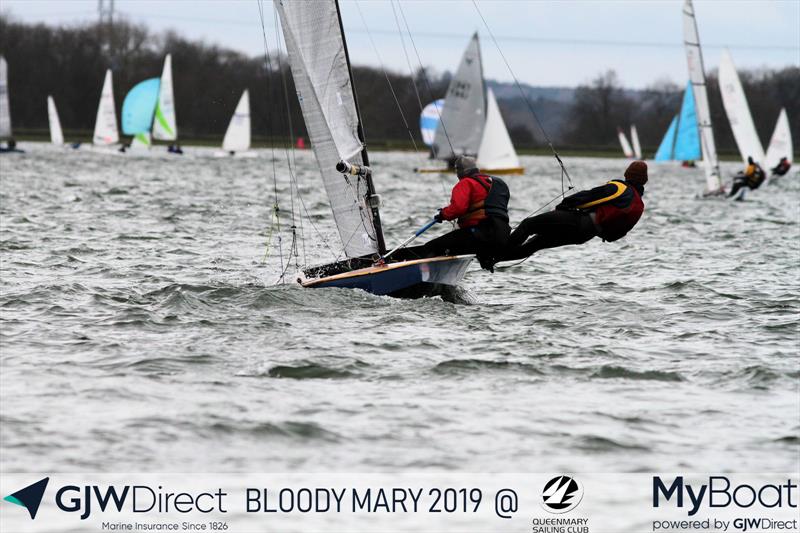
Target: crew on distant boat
{"x": 782, "y": 167}
{"x": 609, "y": 211}
{"x": 752, "y": 177}
{"x": 175, "y": 148}
{"x": 11, "y": 147}
{"x": 480, "y": 204}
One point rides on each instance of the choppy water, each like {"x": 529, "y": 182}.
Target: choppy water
{"x": 142, "y": 331}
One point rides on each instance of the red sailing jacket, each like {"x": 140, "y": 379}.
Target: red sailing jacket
{"x": 466, "y": 201}
{"x": 617, "y": 207}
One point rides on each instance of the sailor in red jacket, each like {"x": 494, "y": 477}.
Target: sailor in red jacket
{"x": 609, "y": 212}
{"x": 480, "y": 205}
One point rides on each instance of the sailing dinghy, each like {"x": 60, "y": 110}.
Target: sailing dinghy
{"x": 637, "y": 147}
{"x": 237, "y": 137}
{"x": 105, "y": 127}
{"x": 320, "y": 66}
{"x": 138, "y": 110}
{"x": 697, "y": 77}
{"x": 56, "y": 135}
{"x": 165, "y": 127}
{"x": 471, "y": 123}
{"x": 623, "y": 142}
{"x": 682, "y": 140}
{"x": 780, "y": 145}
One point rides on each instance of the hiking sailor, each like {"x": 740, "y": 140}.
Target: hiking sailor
{"x": 480, "y": 204}
{"x": 752, "y": 177}
{"x": 782, "y": 167}
{"x": 609, "y": 211}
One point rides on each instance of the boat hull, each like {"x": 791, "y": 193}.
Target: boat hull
{"x": 404, "y": 279}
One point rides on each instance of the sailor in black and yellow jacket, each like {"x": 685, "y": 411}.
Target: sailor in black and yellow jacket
{"x": 609, "y": 211}
{"x": 752, "y": 177}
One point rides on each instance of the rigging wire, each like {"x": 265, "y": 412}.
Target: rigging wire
{"x": 276, "y": 208}
{"x": 388, "y": 81}
{"x": 424, "y": 74}
{"x": 564, "y": 172}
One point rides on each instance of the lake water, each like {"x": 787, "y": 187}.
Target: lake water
{"x": 142, "y": 329}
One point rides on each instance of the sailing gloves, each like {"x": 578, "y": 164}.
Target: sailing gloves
{"x": 438, "y": 217}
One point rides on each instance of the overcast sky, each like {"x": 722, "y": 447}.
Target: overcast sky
{"x": 550, "y": 43}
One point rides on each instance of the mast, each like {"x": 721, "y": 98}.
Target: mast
{"x": 372, "y": 199}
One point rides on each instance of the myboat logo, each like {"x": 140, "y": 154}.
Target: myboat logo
{"x": 561, "y": 494}
{"x": 30, "y": 497}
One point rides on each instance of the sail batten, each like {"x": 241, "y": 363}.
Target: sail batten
{"x": 464, "y": 112}
{"x": 316, "y": 50}
{"x": 56, "y": 135}
{"x": 697, "y": 76}
{"x": 105, "y": 127}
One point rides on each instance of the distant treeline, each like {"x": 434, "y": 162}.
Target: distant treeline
{"x": 70, "y": 62}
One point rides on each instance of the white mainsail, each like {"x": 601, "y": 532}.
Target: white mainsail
{"x": 165, "y": 127}
{"x": 623, "y": 142}
{"x": 56, "y": 135}
{"x": 780, "y": 145}
{"x": 237, "y": 137}
{"x": 141, "y": 141}
{"x": 739, "y": 116}
{"x": 496, "y": 150}
{"x": 637, "y": 148}
{"x": 697, "y": 75}
{"x": 316, "y": 52}
{"x": 5, "y": 109}
{"x": 463, "y": 117}
{"x": 105, "y": 127}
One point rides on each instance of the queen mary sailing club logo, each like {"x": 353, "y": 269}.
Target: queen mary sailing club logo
{"x": 561, "y": 494}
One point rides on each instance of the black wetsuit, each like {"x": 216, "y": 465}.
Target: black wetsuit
{"x": 570, "y": 223}
{"x": 781, "y": 168}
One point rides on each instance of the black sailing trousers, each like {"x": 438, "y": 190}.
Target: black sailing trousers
{"x": 487, "y": 239}
{"x": 549, "y": 230}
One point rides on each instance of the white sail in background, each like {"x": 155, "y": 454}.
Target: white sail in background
{"x": 496, "y": 150}
{"x": 623, "y": 142}
{"x": 735, "y": 103}
{"x": 165, "y": 127}
{"x": 637, "y": 148}
{"x": 315, "y": 48}
{"x": 105, "y": 127}
{"x": 463, "y": 116}
{"x": 141, "y": 142}
{"x": 56, "y": 135}
{"x": 237, "y": 137}
{"x": 5, "y": 109}
{"x": 780, "y": 145}
{"x": 697, "y": 75}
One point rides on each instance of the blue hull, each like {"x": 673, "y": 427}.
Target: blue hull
{"x": 405, "y": 279}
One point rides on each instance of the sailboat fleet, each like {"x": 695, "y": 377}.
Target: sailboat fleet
{"x": 467, "y": 121}
{"x": 469, "y": 102}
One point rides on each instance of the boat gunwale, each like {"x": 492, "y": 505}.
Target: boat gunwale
{"x": 382, "y": 268}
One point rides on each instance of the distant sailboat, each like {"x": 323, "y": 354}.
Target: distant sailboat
{"x": 623, "y": 142}
{"x": 56, "y": 135}
{"x": 429, "y": 120}
{"x": 105, "y": 127}
{"x": 682, "y": 140}
{"x": 697, "y": 76}
{"x": 780, "y": 145}
{"x": 738, "y": 112}
{"x": 138, "y": 110}
{"x": 637, "y": 147}
{"x": 471, "y": 123}
{"x": 5, "y": 108}
{"x": 237, "y": 137}
{"x": 320, "y": 66}
{"x": 165, "y": 127}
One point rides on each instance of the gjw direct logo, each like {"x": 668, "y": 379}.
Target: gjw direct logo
{"x": 561, "y": 494}
{"x": 30, "y": 497}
